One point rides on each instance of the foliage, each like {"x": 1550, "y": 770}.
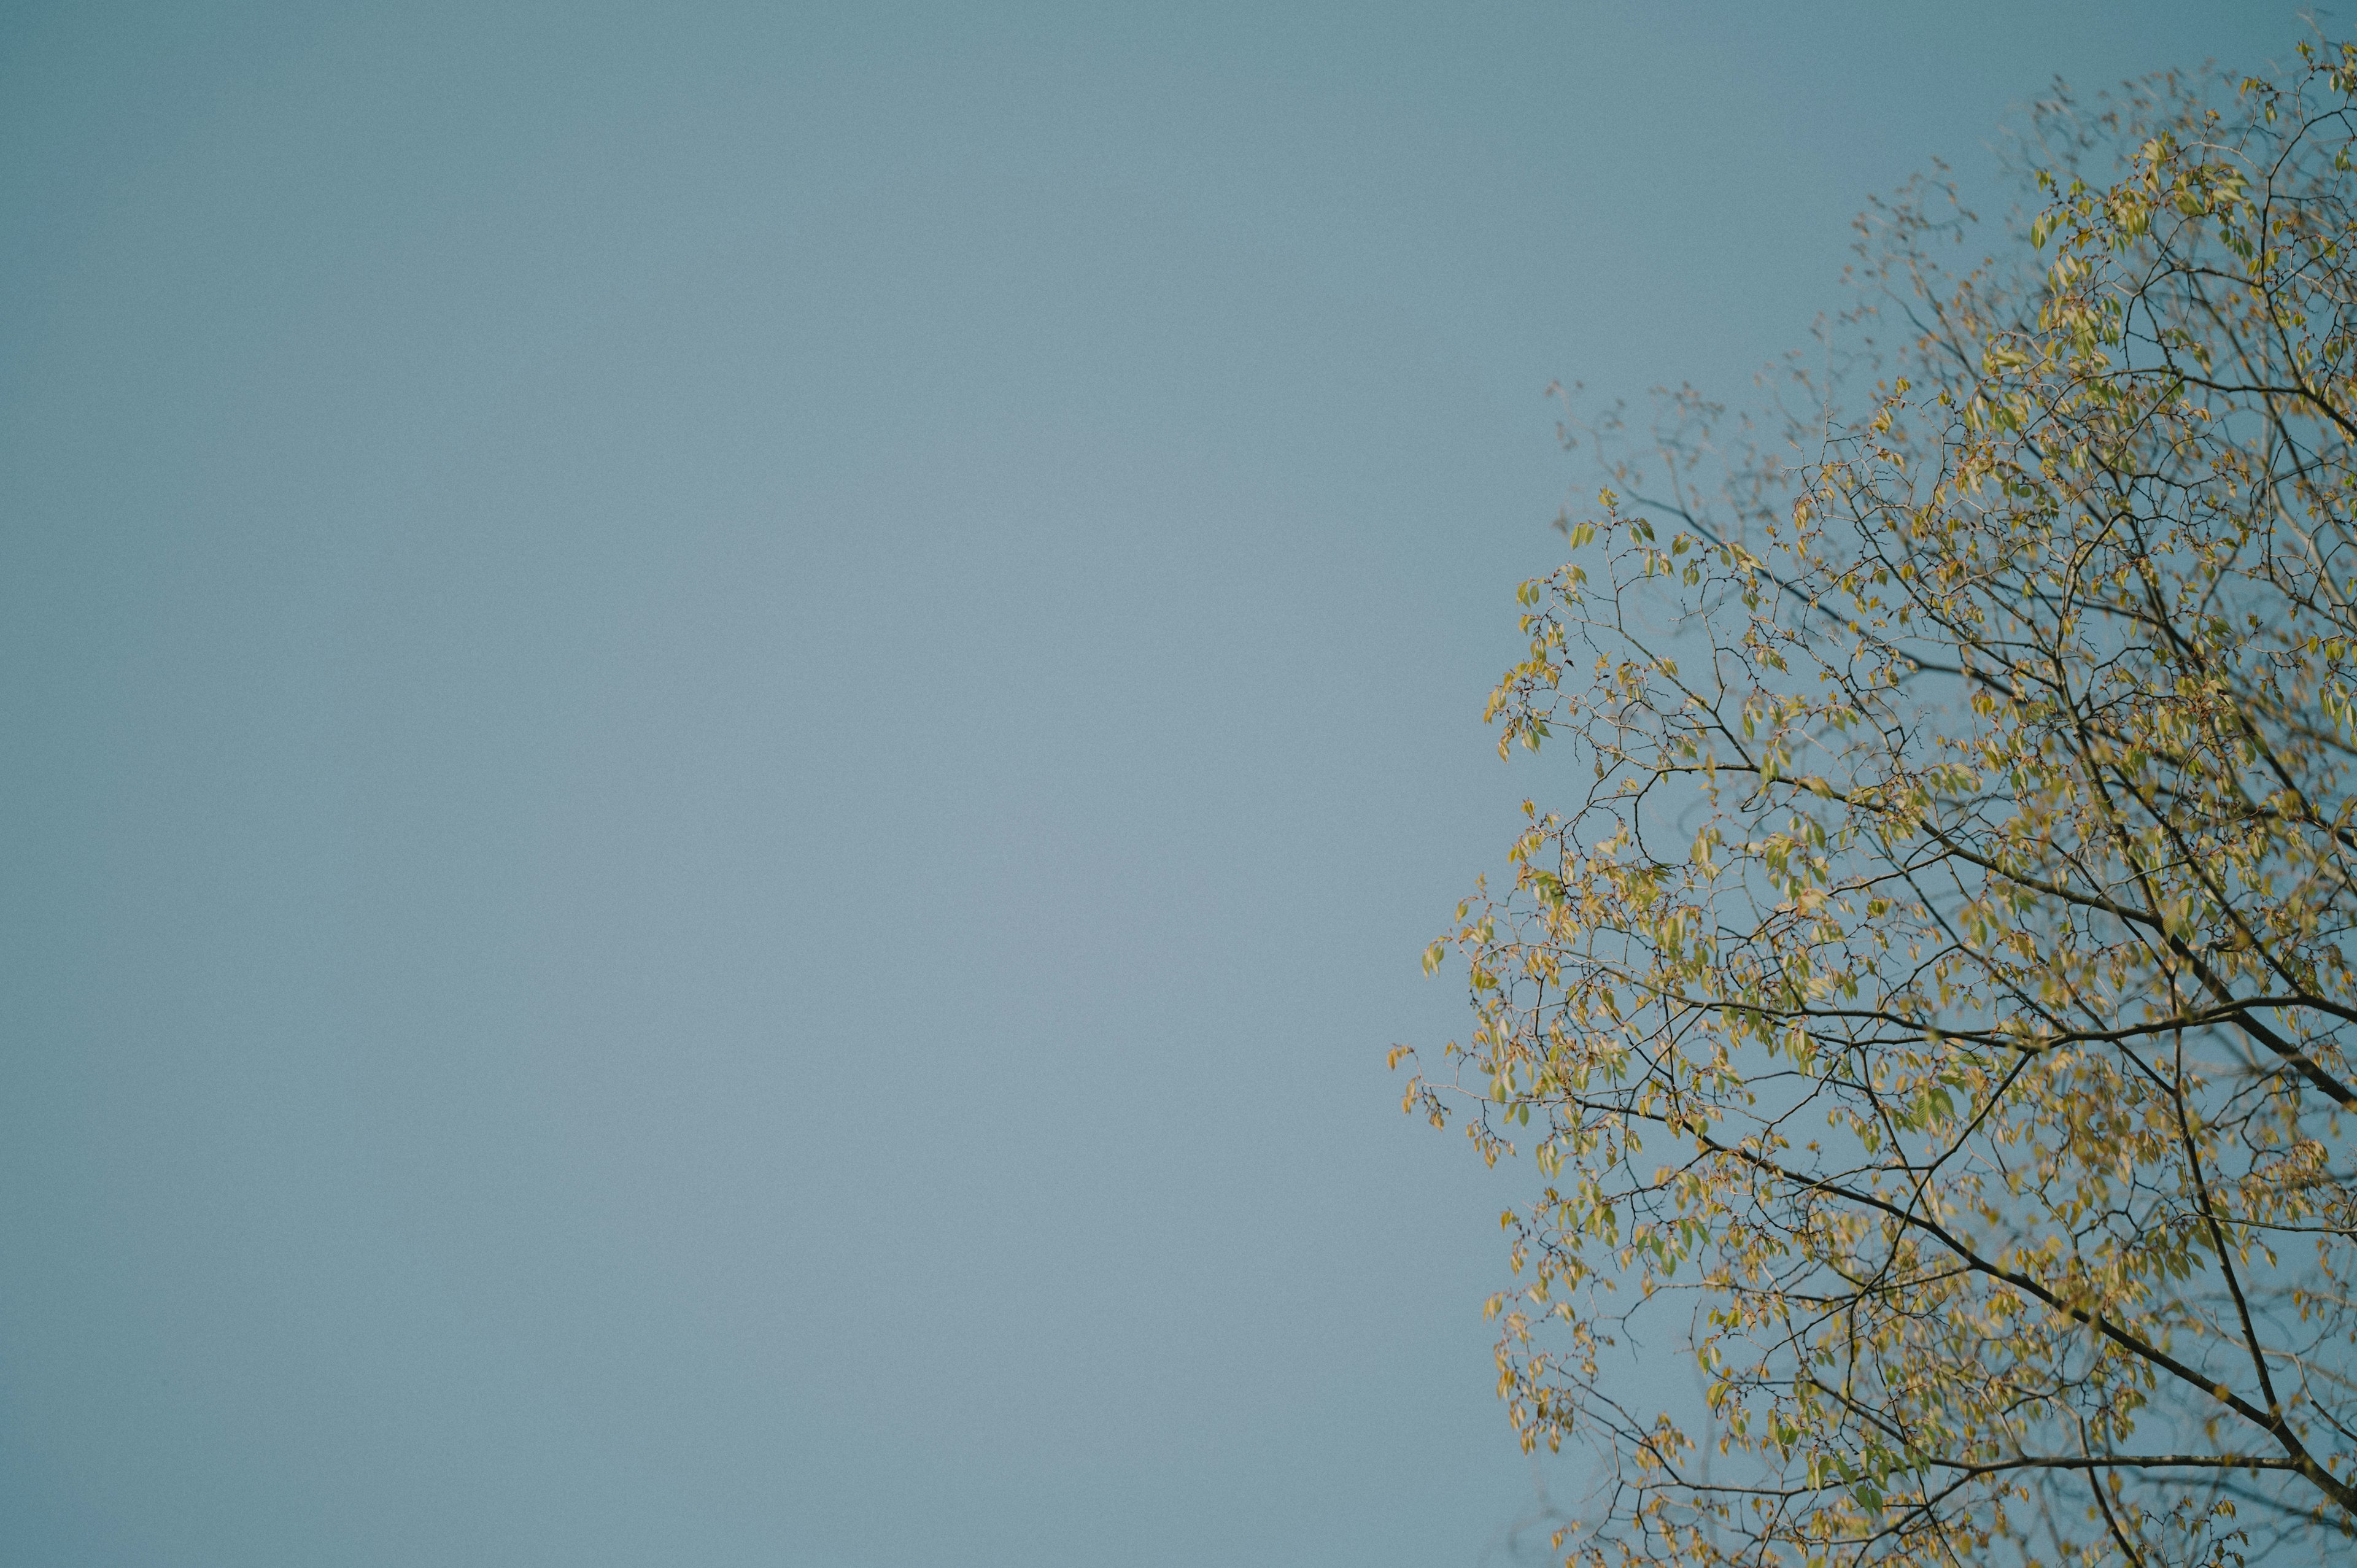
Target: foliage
{"x": 1938, "y": 1009}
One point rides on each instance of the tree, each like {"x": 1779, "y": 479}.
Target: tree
{"x": 1936, "y": 1009}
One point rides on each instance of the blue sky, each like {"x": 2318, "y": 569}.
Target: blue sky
{"x": 731, "y": 728}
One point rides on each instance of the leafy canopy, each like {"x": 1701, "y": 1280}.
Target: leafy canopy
{"x": 1935, "y": 1011}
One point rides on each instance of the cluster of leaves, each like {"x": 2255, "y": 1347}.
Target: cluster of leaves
{"x": 1937, "y": 1013}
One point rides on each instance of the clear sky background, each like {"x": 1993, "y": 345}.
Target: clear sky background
{"x": 727, "y": 732}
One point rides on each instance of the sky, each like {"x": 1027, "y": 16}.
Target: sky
{"x": 729, "y": 730}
